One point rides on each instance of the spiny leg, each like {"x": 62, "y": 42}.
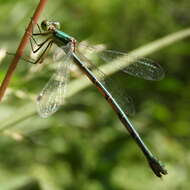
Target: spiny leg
{"x": 46, "y": 50}
{"x": 32, "y": 28}
{"x": 39, "y": 45}
{"x": 40, "y": 33}
{"x": 25, "y": 58}
{"x": 38, "y": 28}
{"x": 40, "y": 58}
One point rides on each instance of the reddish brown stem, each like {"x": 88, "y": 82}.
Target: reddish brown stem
{"x": 21, "y": 48}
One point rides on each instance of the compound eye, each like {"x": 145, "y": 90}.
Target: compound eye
{"x": 57, "y": 25}
{"x": 44, "y": 25}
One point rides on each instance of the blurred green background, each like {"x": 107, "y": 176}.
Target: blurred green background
{"x": 84, "y": 146}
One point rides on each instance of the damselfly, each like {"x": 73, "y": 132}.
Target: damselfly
{"x": 51, "y": 97}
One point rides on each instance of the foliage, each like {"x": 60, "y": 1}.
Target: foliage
{"x": 84, "y": 146}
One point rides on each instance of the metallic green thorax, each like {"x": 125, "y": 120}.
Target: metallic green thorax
{"x": 61, "y": 38}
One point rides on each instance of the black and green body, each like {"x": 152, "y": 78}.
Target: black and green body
{"x": 62, "y": 39}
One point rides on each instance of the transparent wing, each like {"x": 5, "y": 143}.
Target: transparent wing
{"x": 138, "y": 66}
{"x": 120, "y": 95}
{"x": 112, "y": 85}
{"x": 52, "y": 95}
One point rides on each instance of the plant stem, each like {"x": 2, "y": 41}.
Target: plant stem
{"x": 21, "y": 48}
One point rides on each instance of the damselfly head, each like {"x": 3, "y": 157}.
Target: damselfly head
{"x": 49, "y": 25}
